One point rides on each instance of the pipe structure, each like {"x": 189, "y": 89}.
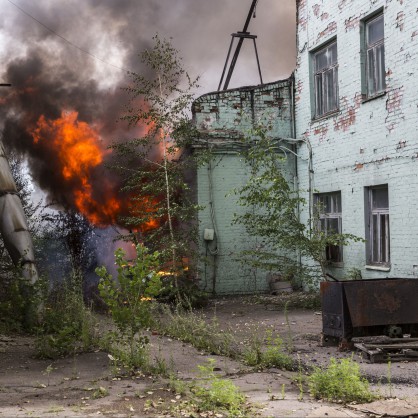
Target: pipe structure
{"x": 13, "y": 225}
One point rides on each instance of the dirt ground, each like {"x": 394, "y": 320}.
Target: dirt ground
{"x": 72, "y": 387}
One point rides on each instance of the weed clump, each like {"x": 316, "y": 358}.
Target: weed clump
{"x": 340, "y": 381}
{"x": 129, "y": 301}
{"x": 192, "y": 327}
{"x": 273, "y": 355}
{"x": 217, "y": 394}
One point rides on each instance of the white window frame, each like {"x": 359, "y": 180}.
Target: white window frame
{"x": 378, "y": 231}
{"x": 333, "y": 213}
{"x": 375, "y": 84}
{"x": 324, "y": 106}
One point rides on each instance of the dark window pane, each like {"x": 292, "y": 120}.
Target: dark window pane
{"x": 380, "y": 68}
{"x": 332, "y": 54}
{"x": 375, "y": 239}
{"x": 319, "y": 95}
{"x": 337, "y": 202}
{"x": 371, "y": 65}
{"x": 334, "y": 253}
{"x": 380, "y": 198}
{"x": 321, "y": 60}
{"x": 375, "y": 30}
{"x": 333, "y": 225}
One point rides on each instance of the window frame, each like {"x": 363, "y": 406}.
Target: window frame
{"x": 320, "y": 108}
{"x": 375, "y": 256}
{"x": 366, "y": 48}
{"x": 335, "y": 213}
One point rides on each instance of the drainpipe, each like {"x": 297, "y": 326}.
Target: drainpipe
{"x": 213, "y": 251}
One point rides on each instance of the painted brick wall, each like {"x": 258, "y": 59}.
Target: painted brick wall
{"x": 364, "y": 143}
{"x": 223, "y": 118}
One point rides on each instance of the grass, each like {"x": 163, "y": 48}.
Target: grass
{"x": 67, "y": 326}
{"x": 341, "y": 381}
{"x": 267, "y": 354}
{"x": 293, "y": 300}
{"x": 192, "y": 327}
{"x": 211, "y": 395}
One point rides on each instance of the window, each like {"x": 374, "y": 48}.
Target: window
{"x": 325, "y": 64}
{"x": 329, "y": 211}
{"x": 378, "y": 226}
{"x": 375, "y": 56}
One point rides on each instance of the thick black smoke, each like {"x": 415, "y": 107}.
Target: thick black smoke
{"x": 49, "y": 75}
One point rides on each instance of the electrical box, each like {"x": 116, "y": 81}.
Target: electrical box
{"x": 208, "y": 234}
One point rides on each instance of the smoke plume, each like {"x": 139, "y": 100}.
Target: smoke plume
{"x": 68, "y": 60}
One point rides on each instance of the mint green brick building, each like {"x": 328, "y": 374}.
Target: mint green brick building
{"x": 351, "y": 110}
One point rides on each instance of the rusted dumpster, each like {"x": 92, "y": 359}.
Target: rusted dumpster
{"x": 369, "y": 307}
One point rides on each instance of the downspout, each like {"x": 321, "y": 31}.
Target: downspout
{"x": 213, "y": 251}
{"x": 295, "y": 150}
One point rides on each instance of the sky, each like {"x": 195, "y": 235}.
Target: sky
{"x": 115, "y": 31}
{"x": 74, "y": 55}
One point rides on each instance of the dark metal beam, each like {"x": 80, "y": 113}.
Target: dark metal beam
{"x": 238, "y": 48}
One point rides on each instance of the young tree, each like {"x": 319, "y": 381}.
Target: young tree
{"x": 273, "y": 212}
{"x": 161, "y": 207}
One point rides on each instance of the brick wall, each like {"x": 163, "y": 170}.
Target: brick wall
{"x": 223, "y": 118}
{"x": 365, "y": 143}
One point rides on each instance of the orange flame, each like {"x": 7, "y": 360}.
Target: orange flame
{"x": 148, "y": 205}
{"x": 78, "y": 150}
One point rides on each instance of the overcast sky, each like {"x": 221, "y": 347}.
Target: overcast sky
{"x": 117, "y": 30}
{"x": 72, "y": 55}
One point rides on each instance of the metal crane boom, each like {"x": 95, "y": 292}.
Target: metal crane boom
{"x": 241, "y": 36}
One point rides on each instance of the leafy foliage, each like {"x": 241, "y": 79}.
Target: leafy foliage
{"x": 161, "y": 205}
{"x": 273, "y": 355}
{"x": 67, "y": 326}
{"x": 69, "y": 236}
{"x": 273, "y": 208}
{"x": 128, "y": 299}
{"x": 217, "y": 394}
{"x": 340, "y": 381}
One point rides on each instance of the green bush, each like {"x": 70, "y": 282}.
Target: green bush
{"x": 340, "y": 381}
{"x": 67, "y": 326}
{"x": 129, "y": 301}
{"x": 273, "y": 355}
{"x": 217, "y": 394}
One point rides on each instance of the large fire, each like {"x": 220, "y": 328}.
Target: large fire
{"x": 78, "y": 150}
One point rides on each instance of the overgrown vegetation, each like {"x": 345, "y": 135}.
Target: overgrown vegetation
{"x": 273, "y": 213}
{"x": 161, "y": 209}
{"x": 128, "y": 299}
{"x": 270, "y": 354}
{"x": 211, "y": 394}
{"x": 192, "y": 327}
{"x": 67, "y": 326}
{"x": 217, "y": 394}
{"x": 340, "y": 381}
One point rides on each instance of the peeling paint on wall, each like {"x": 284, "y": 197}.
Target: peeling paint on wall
{"x": 328, "y": 31}
{"x": 352, "y": 23}
{"x": 348, "y": 112}
{"x": 400, "y": 21}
